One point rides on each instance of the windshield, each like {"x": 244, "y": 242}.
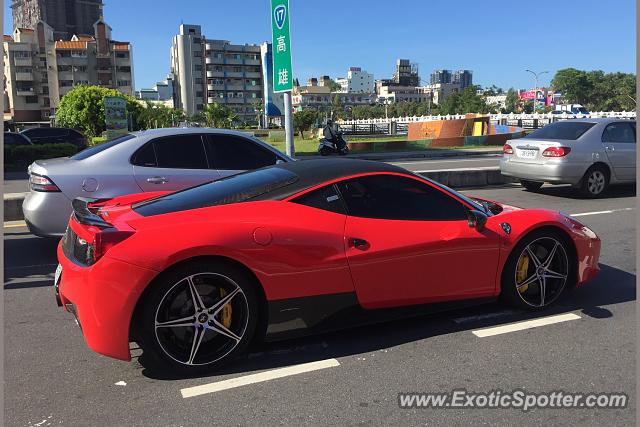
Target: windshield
{"x": 570, "y": 130}
{"x": 88, "y": 152}
{"x": 474, "y": 203}
{"x": 232, "y": 189}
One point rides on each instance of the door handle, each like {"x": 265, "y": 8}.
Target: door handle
{"x": 359, "y": 243}
{"x": 157, "y": 180}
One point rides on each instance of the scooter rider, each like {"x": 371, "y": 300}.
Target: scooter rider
{"x": 335, "y": 137}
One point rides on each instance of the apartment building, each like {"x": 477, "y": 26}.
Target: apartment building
{"x": 39, "y": 70}
{"x": 357, "y": 81}
{"x": 208, "y": 71}
{"x": 65, "y": 17}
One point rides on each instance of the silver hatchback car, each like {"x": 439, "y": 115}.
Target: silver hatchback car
{"x": 589, "y": 154}
{"x": 152, "y": 160}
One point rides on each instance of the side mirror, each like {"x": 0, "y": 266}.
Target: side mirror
{"x": 476, "y": 219}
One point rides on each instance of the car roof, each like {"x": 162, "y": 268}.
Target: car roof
{"x": 186, "y": 130}
{"x": 318, "y": 171}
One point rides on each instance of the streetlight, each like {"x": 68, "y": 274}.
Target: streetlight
{"x": 535, "y": 90}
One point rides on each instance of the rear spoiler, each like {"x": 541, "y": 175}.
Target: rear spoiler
{"x": 83, "y": 215}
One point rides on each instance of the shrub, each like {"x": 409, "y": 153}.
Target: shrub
{"x": 21, "y": 156}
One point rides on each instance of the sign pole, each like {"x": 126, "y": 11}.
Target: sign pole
{"x": 288, "y": 125}
{"x": 282, "y": 70}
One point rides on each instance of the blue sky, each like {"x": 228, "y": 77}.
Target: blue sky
{"x": 497, "y": 39}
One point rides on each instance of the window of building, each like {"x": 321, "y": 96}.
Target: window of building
{"x": 124, "y": 83}
{"x": 79, "y": 53}
{"x": 197, "y": 67}
{"x": 198, "y": 80}
{"x": 398, "y": 198}
{"x": 199, "y": 94}
{"x": 81, "y": 68}
{"x": 86, "y": 82}
{"x": 31, "y": 99}
{"x": 197, "y": 40}
{"x": 197, "y": 54}
{"x": 122, "y": 54}
{"x": 199, "y": 107}
{"x": 240, "y": 95}
{"x": 254, "y": 95}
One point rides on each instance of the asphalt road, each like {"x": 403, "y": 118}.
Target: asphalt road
{"x": 52, "y": 378}
{"x": 16, "y": 182}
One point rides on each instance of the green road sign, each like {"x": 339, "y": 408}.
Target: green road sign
{"x": 115, "y": 116}
{"x": 281, "y": 39}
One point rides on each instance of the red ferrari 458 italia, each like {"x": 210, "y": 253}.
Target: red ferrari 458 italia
{"x": 194, "y": 276}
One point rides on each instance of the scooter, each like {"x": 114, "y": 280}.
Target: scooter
{"x": 333, "y": 146}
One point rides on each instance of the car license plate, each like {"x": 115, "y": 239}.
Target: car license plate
{"x": 58, "y": 274}
{"x": 527, "y": 154}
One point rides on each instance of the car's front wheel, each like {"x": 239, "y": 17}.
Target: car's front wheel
{"x": 198, "y": 317}
{"x": 538, "y": 270}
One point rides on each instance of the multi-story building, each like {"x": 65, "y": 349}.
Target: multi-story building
{"x": 65, "y": 17}
{"x": 319, "y": 96}
{"x": 39, "y": 70}
{"x": 388, "y": 92}
{"x": 463, "y": 77}
{"x": 440, "y": 76}
{"x": 438, "y": 92}
{"x": 162, "y": 91}
{"x": 406, "y": 73}
{"x": 357, "y": 81}
{"x": 208, "y": 71}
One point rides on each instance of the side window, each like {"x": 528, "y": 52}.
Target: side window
{"x": 230, "y": 152}
{"x": 10, "y": 139}
{"x": 398, "y": 198}
{"x": 325, "y": 198}
{"x": 176, "y": 152}
{"x": 619, "y": 132}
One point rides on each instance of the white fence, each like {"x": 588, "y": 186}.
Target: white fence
{"x": 493, "y": 117}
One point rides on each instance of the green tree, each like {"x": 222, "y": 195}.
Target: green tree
{"x": 303, "y": 120}
{"x": 218, "y": 115}
{"x": 334, "y": 87}
{"x": 512, "y": 101}
{"x": 575, "y": 85}
{"x": 337, "y": 109}
{"x": 82, "y": 108}
{"x": 467, "y": 101}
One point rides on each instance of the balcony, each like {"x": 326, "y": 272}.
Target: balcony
{"x": 25, "y": 77}
{"x": 236, "y": 87}
{"x": 213, "y": 60}
{"x": 25, "y": 91}
{"x": 254, "y": 87}
{"x": 252, "y": 62}
{"x": 253, "y": 74}
{"x": 215, "y": 87}
{"x": 233, "y": 61}
{"x": 234, "y": 74}
{"x": 23, "y": 62}
{"x": 215, "y": 73}
{"x": 235, "y": 100}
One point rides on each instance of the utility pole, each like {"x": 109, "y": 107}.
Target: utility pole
{"x": 535, "y": 90}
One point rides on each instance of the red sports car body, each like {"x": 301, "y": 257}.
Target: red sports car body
{"x": 194, "y": 275}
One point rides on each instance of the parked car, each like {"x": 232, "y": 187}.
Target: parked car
{"x": 194, "y": 276}
{"x": 152, "y": 160}
{"x": 13, "y": 139}
{"x": 589, "y": 154}
{"x": 50, "y": 135}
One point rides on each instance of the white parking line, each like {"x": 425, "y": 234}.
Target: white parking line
{"x": 527, "y": 324}
{"x": 603, "y": 212}
{"x": 468, "y": 319}
{"x": 14, "y": 224}
{"x": 257, "y": 378}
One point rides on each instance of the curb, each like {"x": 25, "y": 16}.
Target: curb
{"x": 13, "y": 206}
{"x": 455, "y": 178}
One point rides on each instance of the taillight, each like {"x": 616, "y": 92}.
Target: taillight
{"x": 42, "y": 183}
{"x": 105, "y": 240}
{"x": 556, "y": 151}
{"x": 507, "y": 149}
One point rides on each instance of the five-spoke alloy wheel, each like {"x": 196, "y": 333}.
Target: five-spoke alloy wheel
{"x": 538, "y": 271}
{"x": 198, "y": 317}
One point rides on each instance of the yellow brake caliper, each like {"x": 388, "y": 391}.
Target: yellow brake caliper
{"x": 225, "y": 314}
{"x": 521, "y": 272}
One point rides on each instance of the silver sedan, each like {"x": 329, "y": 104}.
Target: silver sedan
{"x": 152, "y": 160}
{"x": 589, "y": 154}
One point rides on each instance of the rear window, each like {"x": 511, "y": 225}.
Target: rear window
{"x": 86, "y": 153}
{"x": 561, "y": 130}
{"x": 233, "y": 189}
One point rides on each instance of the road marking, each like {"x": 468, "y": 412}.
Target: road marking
{"x": 436, "y": 160}
{"x": 468, "y": 319}
{"x": 257, "y": 378}
{"x": 602, "y": 212}
{"x": 14, "y": 224}
{"x": 527, "y": 324}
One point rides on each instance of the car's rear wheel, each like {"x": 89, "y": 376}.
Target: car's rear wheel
{"x": 198, "y": 317}
{"x": 531, "y": 185}
{"x": 595, "y": 181}
{"x": 538, "y": 270}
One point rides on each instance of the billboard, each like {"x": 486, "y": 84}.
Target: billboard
{"x": 115, "y": 116}
{"x": 273, "y": 102}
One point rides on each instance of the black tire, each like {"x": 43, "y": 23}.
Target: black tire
{"x": 595, "y": 182}
{"x": 324, "y": 151}
{"x": 344, "y": 151}
{"x": 531, "y": 185}
{"x": 519, "y": 286}
{"x": 171, "y": 348}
